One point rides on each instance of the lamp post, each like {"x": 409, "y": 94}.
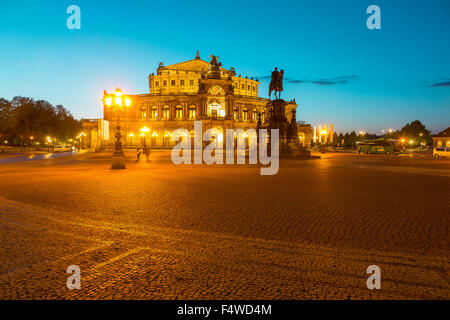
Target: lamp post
{"x": 324, "y": 134}
{"x": 118, "y": 103}
{"x": 82, "y": 139}
{"x": 81, "y": 142}
{"x": 131, "y": 135}
{"x": 144, "y": 131}
{"x": 154, "y": 134}
{"x": 142, "y": 135}
{"x": 49, "y": 141}
{"x": 403, "y": 142}
{"x": 167, "y": 134}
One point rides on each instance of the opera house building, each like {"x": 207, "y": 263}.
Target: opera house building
{"x": 178, "y": 95}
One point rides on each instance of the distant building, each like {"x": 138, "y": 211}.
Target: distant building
{"x": 95, "y": 133}
{"x": 323, "y": 134}
{"x": 305, "y": 133}
{"x": 442, "y": 138}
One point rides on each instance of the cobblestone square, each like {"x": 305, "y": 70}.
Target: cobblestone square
{"x": 160, "y": 231}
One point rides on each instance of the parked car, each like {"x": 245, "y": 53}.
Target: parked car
{"x": 59, "y": 148}
{"x": 62, "y": 148}
{"x": 441, "y": 152}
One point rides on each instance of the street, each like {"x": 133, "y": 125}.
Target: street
{"x": 161, "y": 231}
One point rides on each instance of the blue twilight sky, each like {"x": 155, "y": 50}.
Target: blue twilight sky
{"x": 338, "y": 70}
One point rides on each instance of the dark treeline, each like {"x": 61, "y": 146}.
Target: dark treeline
{"x": 414, "y": 132}
{"x": 25, "y": 120}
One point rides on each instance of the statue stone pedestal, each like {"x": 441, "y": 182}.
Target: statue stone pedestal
{"x": 118, "y": 161}
{"x": 288, "y": 132}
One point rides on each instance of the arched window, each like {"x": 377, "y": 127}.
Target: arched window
{"x": 166, "y": 112}
{"x": 179, "y": 112}
{"x": 192, "y": 112}
{"x": 143, "y": 112}
{"x": 245, "y": 114}
{"x": 154, "y": 112}
{"x": 236, "y": 113}
{"x": 216, "y": 110}
{"x": 255, "y": 115}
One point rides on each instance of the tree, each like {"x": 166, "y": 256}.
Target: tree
{"x": 352, "y": 138}
{"x": 335, "y": 139}
{"x": 347, "y": 140}
{"x": 5, "y": 114}
{"x": 340, "y": 138}
{"x": 415, "y": 132}
{"x": 23, "y": 117}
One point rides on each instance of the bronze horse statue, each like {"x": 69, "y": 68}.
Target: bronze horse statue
{"x": 276, "y": 83}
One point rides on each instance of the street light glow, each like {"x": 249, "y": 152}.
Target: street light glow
{"x": 108, "y": 100}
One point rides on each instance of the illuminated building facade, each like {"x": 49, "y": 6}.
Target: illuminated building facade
{"x": 184, "y": 92}
{"x": 323, "y": 134}
{"x": 442, "y": 139}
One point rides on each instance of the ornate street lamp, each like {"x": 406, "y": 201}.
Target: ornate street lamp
{"x": 154, "y": 135}
{"x": 81, "y": 142}
{"x": 144, "y": 131}
{"x": 142, "y": 135}
{"x": 131, "y": 135}
{"x": 118, "y": 103}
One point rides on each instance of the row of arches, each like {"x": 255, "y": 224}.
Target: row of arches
{"x": 215, "y": 110}
{"x": 162, "y": 138}
{"x": 164, "y": 113}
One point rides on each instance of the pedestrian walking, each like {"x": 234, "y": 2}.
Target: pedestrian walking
{"x": 147, "y": 152}
{"x": 138, "y": 155}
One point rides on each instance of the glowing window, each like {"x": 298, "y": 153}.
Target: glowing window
{"x": 166, "y": 113}
{"x": 191, "y": 112}
{"x": 179, "y": 113}
{"x": 143, "y": 112}
{"x": 245, "y": 114}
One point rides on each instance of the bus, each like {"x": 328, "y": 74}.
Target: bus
{"x": 378, "y": 146}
